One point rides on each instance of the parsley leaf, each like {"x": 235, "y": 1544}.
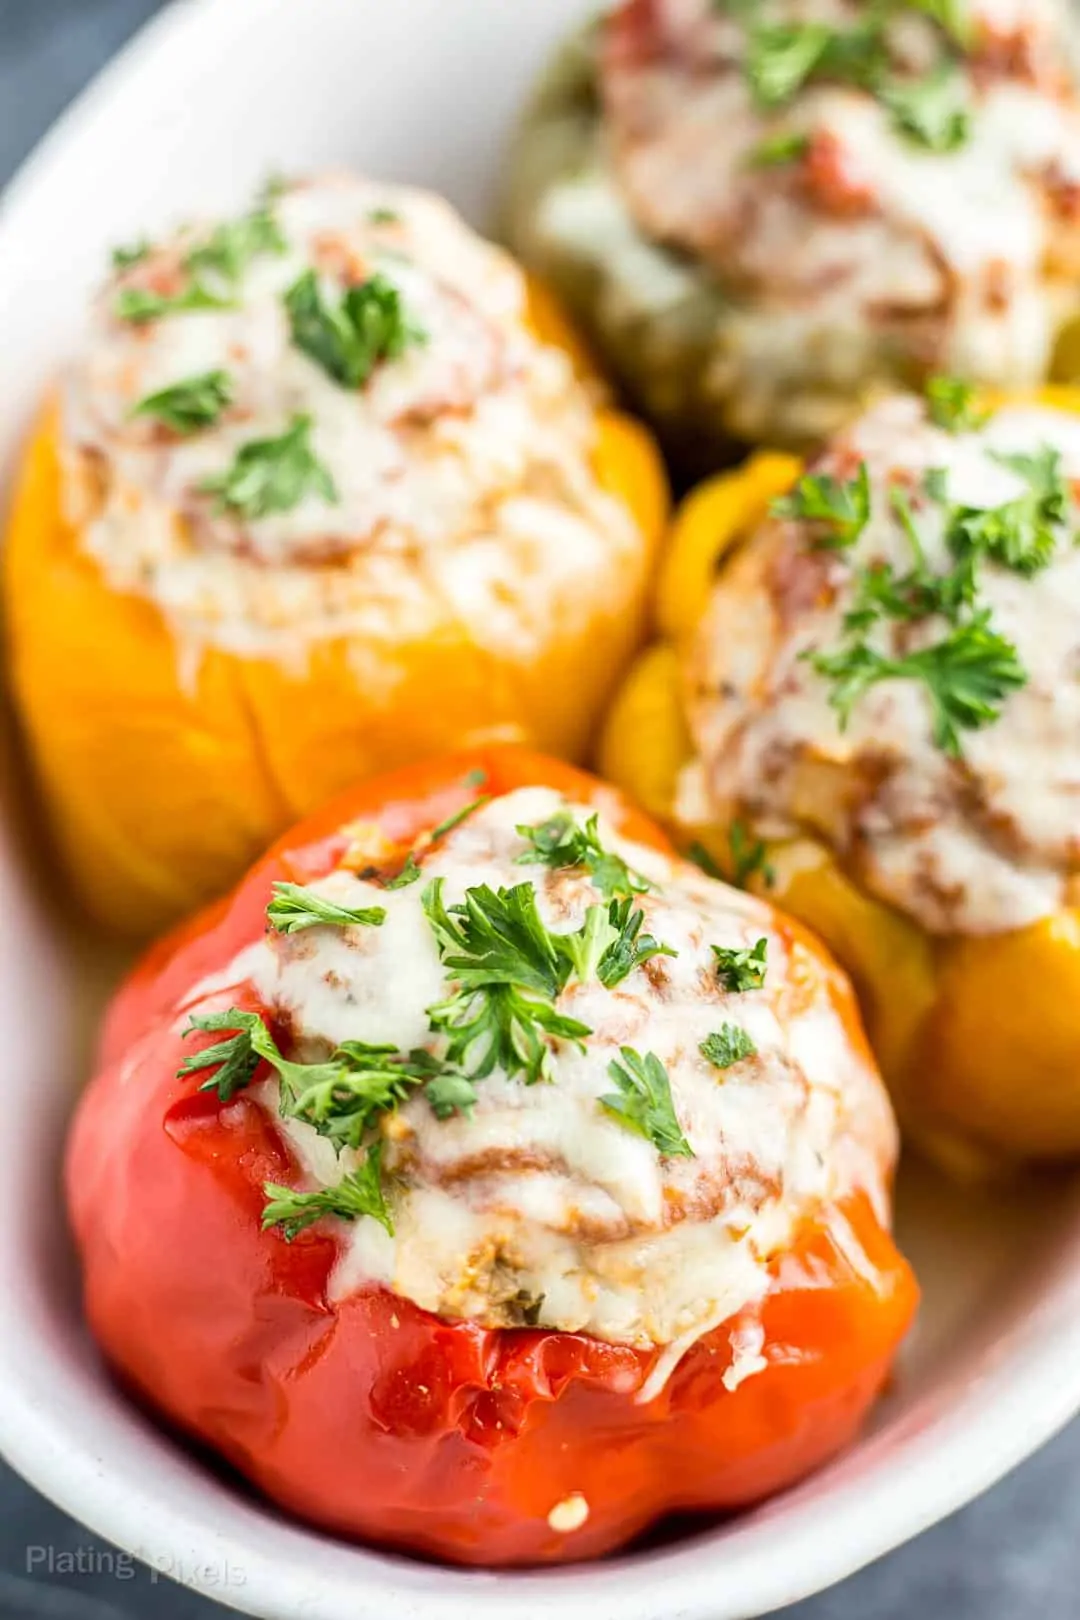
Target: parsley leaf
{"x": 781, "y": 58}
{"x": 187, "y": 406}
{"x": 967, "y": 676}
{"x": 949, "y": 15}
{"x": 127, "y": 257}
{"x": 354, "y": 1196}
{"x": 235, "y": 1059}
{"x": 749, "y": 856}
{"x": 1021, "y": 534}
{"x": 509, "y": 970}
{"x": 450, "y": 1093}
{"x": 740, "y": 970}
{"x": 560, "y": 842}
{"x": 951, "y": 404}
{"x": 232, "y": 246}
{"x": 295, "y": 908}
{"x": 410, "y": 873}
{"x": 349, "y": 339}
{"x": 643, "y": 1102}
{"x": 342, "y": 1098}
{"x": 630, "y": 948}
{"x": 843, "y": 510}
{"x": 272, "y": 475}
{"x": 140, "y": 304}
{"x": 931, "y": 111}
{"x": 777, "y": 149}
{"x": 457, "y": 818}
{"x": 730, "y": 1045}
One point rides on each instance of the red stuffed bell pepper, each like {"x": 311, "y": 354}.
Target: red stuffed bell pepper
{"x": 519, "y": 1184}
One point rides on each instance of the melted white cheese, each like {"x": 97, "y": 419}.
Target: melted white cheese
{"x": 462, "y": 469}
{"x": 541, "y": 1194}
{"x": 978, "y": 845}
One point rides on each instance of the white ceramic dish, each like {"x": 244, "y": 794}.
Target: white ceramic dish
{"x": 210, "y": 99}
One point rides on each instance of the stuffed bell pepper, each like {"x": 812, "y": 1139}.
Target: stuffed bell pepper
{"x": 325, "y": 489}
{"x": 873, "y": 711}
{"x": 483, "y": 1180}
{"x": 761, "y": 211}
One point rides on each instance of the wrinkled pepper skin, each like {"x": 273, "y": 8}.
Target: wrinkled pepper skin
{"x": 165, "y": 782}
{"x": 977, "y": 1037}
{"x": 370, "y": 1417}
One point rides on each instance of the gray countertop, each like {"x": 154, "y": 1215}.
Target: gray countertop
{"x": 1011, "y": 1556}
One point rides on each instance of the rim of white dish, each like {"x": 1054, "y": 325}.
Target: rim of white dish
{"x": 934, "y": 1473}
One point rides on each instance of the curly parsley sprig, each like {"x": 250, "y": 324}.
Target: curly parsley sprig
{"x": 272, "y": 475}
{"x": 349, "y": 339}
{"x": 838, "y": 510}
{"x": 730, "y": 1045}
{"x": 643, "y": 1102}
{"x": 932, "y": 111}
{"x": 343, "y": 1097}
{"x": 562, "y": 843}
{"x": 355, "y": 1195}
{"x": 967, "y": 676}
{"x": 295, "y": 908}
{"x": 740, "y": 970}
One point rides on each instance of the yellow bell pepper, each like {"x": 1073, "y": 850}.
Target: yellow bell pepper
{"x": 979, "y": 1038}
{"x": 165, "y": 783}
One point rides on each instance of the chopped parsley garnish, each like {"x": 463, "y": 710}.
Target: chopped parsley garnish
{"x": 749, "y": 857}
{"x": 358, "y": 1194}
{"x": 730, "y": 1045}
{"x": 188, "y": 406}
{"x": 127, "y": 257}
{"x": 341, "y": 1098}
{"x": 781, "y": 59}
{"x": 509, "y": 970}
{"x": 952, "y": 405}
{"x": 740, "y": 970}
{"x": 971, "y": 670}
{"x": 967, "y": 676}
{"x": 706, "y": 862}
{"x": 932, "y": 111}
{"x": 234, "y": 1060}
{"x": 627, "y": 948}
{"x": 643, "y": 1102}
{"x": 140, "y": 304}
{"x": 458, "y": 817}
{"x": 777, "y": 149}
{"x": 349, "y": 339}
{"x": 215, "y": 269}
{"x": 295, "y": 908}
{"x": 1021, "y": 534}
{"x": 410, "y": 873}
{"x": 841, "y": 510}
{"x": 232, "y": 246}
{"x": 272, "y": 475}
{"x": 560, "y": 842}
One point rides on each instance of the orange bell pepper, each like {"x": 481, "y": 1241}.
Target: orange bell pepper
{"x": 164, "y": 783}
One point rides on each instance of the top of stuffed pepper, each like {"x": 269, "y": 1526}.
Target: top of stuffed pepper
{"x": 283, "y": 421}
{"x": 892, "y": 663}
{"x": 798, "y": 199}
{"x": 552, "y": 1077}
